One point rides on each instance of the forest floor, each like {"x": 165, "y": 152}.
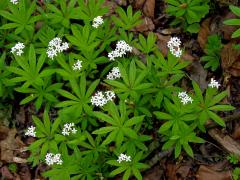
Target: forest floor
{"x": 210, "y": 161}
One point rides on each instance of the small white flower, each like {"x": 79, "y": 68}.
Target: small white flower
{"x": 18, "y": 49}
{"x": 56, "y": 46}
{"x": 114, "y": 74}
{"x": 121, "y": 49}
{"x": 101, "y": 98}
{"x": 123, "y": 157}
{"x": 31, "y": 131}
{"x": 97, "y": 21}
{"x": 14, "y": 1}
{"x": 68, "y": 128}
{"x": 214, "y": 84}
{"x": 185, "y": 98}
{"x": 51, "y": 159}
{"x": 174, "y": 45}
{"x": 77, "y": 65}
{"x": 110, "y": 95}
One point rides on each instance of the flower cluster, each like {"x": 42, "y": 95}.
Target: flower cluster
{"x": 68, "y": 128}
{"x": 51, "y": 159}
{"x": 174, "y": 45}
{"x": 14, "y": 1}
{"x": 56, "y": 46}
{"x": 18, "y": 49}
{"x": 97, "y": 21}
{"x": 101, "y": 98}
{"x": 185, "y": 98}
{"x": 114, "y": 74}
{"x": 31, "y": 131}
{"x": 77, "y": 66}
{"x": 123, "y": 157}
{"x": 121, "y": 49}
{"x": 214, "y": 84}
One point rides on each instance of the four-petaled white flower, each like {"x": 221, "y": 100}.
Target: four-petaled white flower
{"x": 14, "y": 1}
{"x": 185, "y": 98}
{"x": 123, "y": 157}
{"x": 18, "y": 49}
{"x": 121, "y": 49}
{"x": 101, "y": 98}
{"x": 51, "y": 159}
{"x": 174, "y": 45}
{"x": 97, "y": 21}
{"x": 31, "y": 131}
{"x": 214, "y": 84}
{"x": 114, "y": 74}
{"x": 56, "y": 46}
{"x": 77, "y": 66}
{"x": 69, "y": 128}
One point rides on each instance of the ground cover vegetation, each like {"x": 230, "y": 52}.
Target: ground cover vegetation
{"x": 102, "y": 94}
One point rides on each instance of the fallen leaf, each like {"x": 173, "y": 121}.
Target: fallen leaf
{"x": 121, "y": 2}
{"x": 230, "y": 59}
{"x": 147, "y": 25}
{"x": 10, "y": 145}
{"x": 155, "y": 173}
{"x": 178, "y": 171}
{"x": 19, "y": 160}
{"x": 6, "y": 173}
{"x": 149, "y": 8}
{"x": 162, "y": 43}
{"x": 208, "y": 173}
{"x": 204, "y": 32}
{"x": 198, "y": 74}
{"x": 138, "y": 4}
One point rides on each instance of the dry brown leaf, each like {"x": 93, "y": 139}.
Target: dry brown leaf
{"x": 230, "y": 59}
{"x": 198, "y": 74}
{"x": 147, "y": 25}
{"x": 208, "y": 173}
{"x": 177, "y": 172}
{"x": 149, "y": 8}
{"x": 162, "y": 43}
{"x": 6, "y": 173}
{"x": 10, "y": 145}
{"x": 138, "y": 4}
{"x": 19, "y": 160}
{"x": 204, "y": 32}
{"x": 121, "y": 2}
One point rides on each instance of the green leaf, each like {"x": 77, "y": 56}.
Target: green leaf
{"x": 104, "y": 130}
{"x": 216, "y": 118}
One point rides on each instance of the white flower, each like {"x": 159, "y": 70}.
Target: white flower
{"x": 56, "y": 46}
{"x": 51, "y": 159}
{"x": 123, "y": 157}
{"x": 69, "y": 128}
{"x": 121, "y": 49}
{"x": 114, "y": 74}
{"x": 77, "y": 65}
{"x": 185, "y": 98}
{"x": 101, "y": 98}
{"x": 97, "y": 21}
{"x": 214, "y": 84}
{"x": 18, "y": 49}
{"x": 109, "y": 95}
{"x": 14, "y": 1}
{"x": 31, "y": 131}
{"x": 174, "y": 45}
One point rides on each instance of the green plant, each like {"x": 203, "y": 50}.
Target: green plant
{"x": 129, "y": 168}
{"x": 21, "y": 18}
{"x": 232, "y": 158}
{"x": 121, "y": 125}
{"x": 127, "y": 20}
{"x": 234, "y": 22}
{"x": 212, "y": 50}
{"x": 236, "y": 173}
{"x": 147, "y": 45}
{"x": 188, "y": 13}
